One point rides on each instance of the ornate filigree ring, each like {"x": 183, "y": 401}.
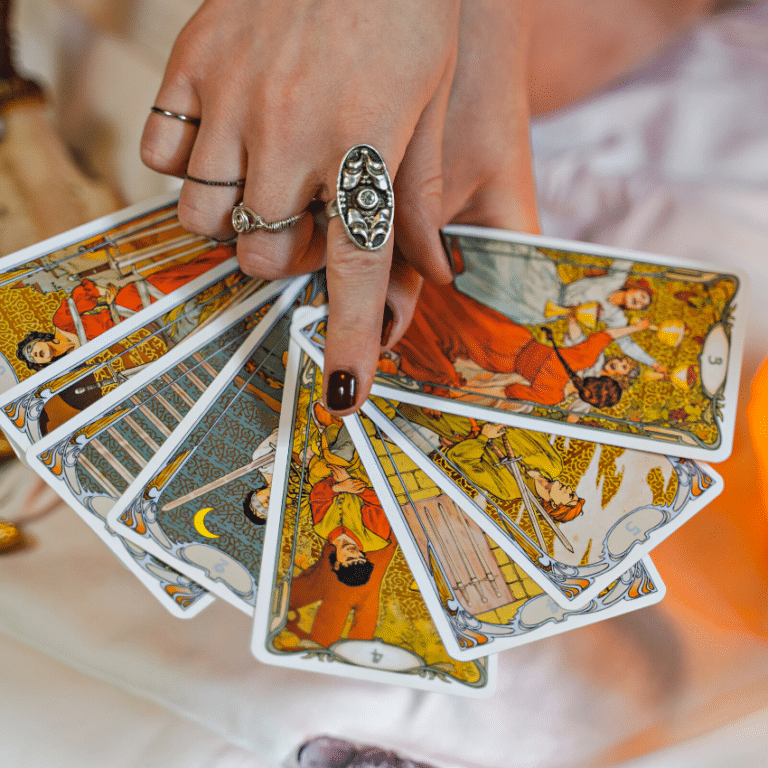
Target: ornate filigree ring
{"x": 244, "y": 220}
{"x": 364, "y": 198}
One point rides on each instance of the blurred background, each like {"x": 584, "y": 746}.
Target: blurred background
{"x": 671, "y": 158}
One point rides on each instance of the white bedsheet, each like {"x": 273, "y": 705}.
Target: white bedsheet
{"x": 673, "y": 161}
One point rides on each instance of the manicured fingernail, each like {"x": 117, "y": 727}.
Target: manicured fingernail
{"x": 387, "y": 325}
{"x": 342, "y": 390}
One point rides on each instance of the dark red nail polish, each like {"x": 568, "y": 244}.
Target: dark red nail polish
{"x": 342, "y": 390}
{"x": 387, "y": 325}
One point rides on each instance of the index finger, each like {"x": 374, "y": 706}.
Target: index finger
{"x": 359, "y": 258}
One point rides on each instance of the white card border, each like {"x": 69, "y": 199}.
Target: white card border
{"x": 272, "y": 537}
{"x": 404, "y": 537}
{"x": 104, "y": 341}
{"x": 178, "y": 353}
{"x": 230, "y": 370}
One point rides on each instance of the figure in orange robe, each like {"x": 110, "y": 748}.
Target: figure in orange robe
{"x": 96, "y": 321}
{"x": 448, "y": 325}
{"x": 319, "y": 582}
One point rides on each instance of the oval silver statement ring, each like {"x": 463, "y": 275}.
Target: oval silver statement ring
{"x": 177, "y": 116}
{"x": 364, "y": 199}
{"x": 244, "y": 220}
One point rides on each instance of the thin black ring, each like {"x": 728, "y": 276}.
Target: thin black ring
{"x": 191, "y": 120}
{"x": 238, "y": 183}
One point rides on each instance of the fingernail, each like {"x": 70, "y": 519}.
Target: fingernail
{"x": 387, "y": 325}
{"x": 342, "y": 390}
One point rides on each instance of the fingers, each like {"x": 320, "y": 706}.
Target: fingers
{"x": 214, "y": 181}
{"x": 402, "y": 295}
{"x": 357, "y": 288}
{"x": 167, "y": 141}
{"x": 488, "y": 121}
{"x": 277, "y": 190}
{"x": 419, "y": 188}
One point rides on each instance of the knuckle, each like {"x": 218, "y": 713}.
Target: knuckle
{"x": 202, "y": 220}
{"x": 261, "y": 262}
{"x": 156, "y": 154}
{"x": 350, "y": 261}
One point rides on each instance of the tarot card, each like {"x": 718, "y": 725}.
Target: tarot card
{"x": 573, "y": 514}
{"x": 52, "y": 396}
{"x": 92, "y": 459}
{"x": 335, "y": 586}
{"x": 612, "y": 346}
{"x": 480, "y": 599}
{"x": 59, "y": 294}
{"x": 198, "y": 503}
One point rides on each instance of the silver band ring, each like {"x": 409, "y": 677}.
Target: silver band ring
{"x": 244, "y": 220}
{"x": 364, "y": 200}
{"x": 184, "y": 118}
{"x": 238, "y": 183}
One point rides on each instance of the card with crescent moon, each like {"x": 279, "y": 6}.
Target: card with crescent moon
{"x": 92, "y": 282}
{"x": 198, "y": 503}
{"x": 572, "y": 513}
{"x": 618, "y": 347}
{"x": 481, "y": 600}
{"x": 337, "y": 595}
{"x": 92, "y": 459}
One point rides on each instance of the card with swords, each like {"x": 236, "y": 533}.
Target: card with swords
{"x": 199, "y": 503}
{"x": 91, "y": 460}
{"x": 481, "y": 601}
{"x": 574, "y": 514}
{"x": 336, "y": 594}
{"x": 58, "y": 297}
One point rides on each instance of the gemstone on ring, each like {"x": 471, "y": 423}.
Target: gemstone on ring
{"x": 364, "y": 198}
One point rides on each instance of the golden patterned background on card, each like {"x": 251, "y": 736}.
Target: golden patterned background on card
{"x": 653, "y": 348}
{"x": 312, "y": 613}
{"x": 117, "y": 272}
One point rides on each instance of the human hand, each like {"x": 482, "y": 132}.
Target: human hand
{"x": 641, "y": 325}
{"x": 350, "y": 485}
{"x": 385, "y": 71}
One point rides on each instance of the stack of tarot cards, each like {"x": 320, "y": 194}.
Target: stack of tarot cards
{"x": 535, "y": 434}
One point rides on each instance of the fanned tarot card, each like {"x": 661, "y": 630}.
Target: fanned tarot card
{"x": 336, "y": 593}
{"x": 60, "y": 294}
{"x": 91, "y": 460}
{"x": 574, "y": 514}
{"x": 54, "y": 395}
{"x": 199, "y": 503}
{"x": 611, "y": 346}
{"x": 481, "y": 600}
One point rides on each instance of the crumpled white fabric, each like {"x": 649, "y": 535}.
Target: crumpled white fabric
{"x": 673, "y": 161}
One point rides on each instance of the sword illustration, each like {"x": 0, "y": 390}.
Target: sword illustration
{"x": 460, "y": 586}
{"x": 489, "y": 577}
{"x": 252, "y": 466}
{"x": 462, "y": 554}
{"x": 529, "y": 499}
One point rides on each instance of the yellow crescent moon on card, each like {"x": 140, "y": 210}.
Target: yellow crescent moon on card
{"x": 199, "y": 523}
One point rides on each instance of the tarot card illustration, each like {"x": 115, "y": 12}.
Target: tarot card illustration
{"x": 337, "y": 595}
{"x": 574, "y": 514}
{"x": 59, "y": 294}
{"x": 198, "y": 504}
{"x": 481, "y": 600}
{"x": 92, "y": 460}
{"x": 613, "y": 346}
{"x": 59, "y": 391}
